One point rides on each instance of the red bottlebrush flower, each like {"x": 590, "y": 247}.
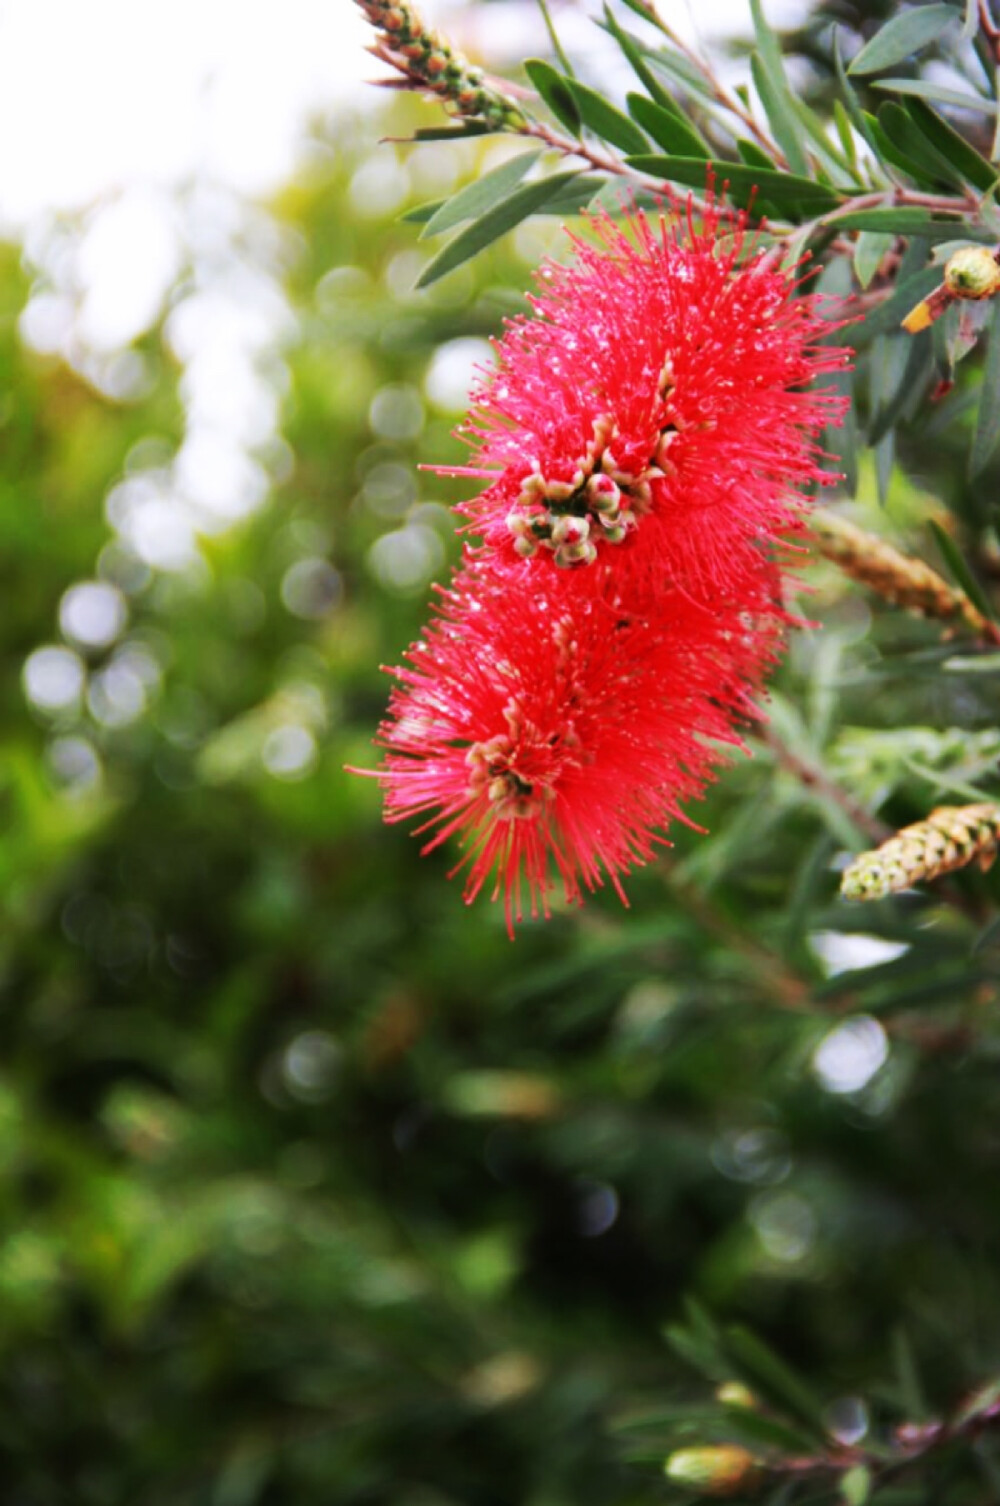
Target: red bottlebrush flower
{"x": 656, "y": 409}
{"x": 556, "y": 733}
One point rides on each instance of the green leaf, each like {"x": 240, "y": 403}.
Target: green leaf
{"x": 421, "y": 213}
{"x": 632, "y": 48}
{"x": 943, "y": 96}
{"x": 765, "y": 1372}
{"x": 798, "y": 197}
{"x": 583, "y": 190}
{"x": 885, "y": 456}
{"x": 557, "y": 46}
{"x": 912, "y": 142}
{"x": 843, "y": 123}
{"x": 780, "y": 116}
{"x": 555, "y": 91}
{"x": 959, "y": 569}
{"x": 477, "y": 197}
{"x": 855, "y": 114}
{"x": 911, "y": 1391}
{"x": 605, "y": 119}
{"x": 753, "y": 155}
{"x": 754, "y": 1430}
{"x": 824, "y": 149}
{"x": 454, "y": 133}
{"x": 888, "y": 152}
{"x": 667, "y": 128}
{"x": 698, "y": 1354}
{"x": 856, "y": 1485}
{"x": 529, "y": 199}
{"x": 901, "y": 37}
{"x": 955, "y": 150}
{"x": 842, "y": 442}
{"x": 912, "y": 222}
{"x": 684, "y": 73}
{"x": 908, "y": 372}
{"x": 907, "y": 295}
{"x": 769, "y": 79}
{"x": 869, "y": 251}
{"x": 988, "y": 418}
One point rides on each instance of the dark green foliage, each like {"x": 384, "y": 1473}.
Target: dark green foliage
{"x": 319, "y": 1190}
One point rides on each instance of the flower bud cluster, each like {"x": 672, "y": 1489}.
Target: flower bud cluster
{"x": 430, "y": 62}
{"x": 512, "y": 794}
{"x": 601, "y": 501}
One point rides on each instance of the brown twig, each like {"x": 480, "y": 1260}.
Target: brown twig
{"x": 815, "y": 778}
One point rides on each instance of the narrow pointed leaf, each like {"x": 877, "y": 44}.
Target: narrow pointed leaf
{"x": 912, "y": 376}
{"x": 780, "y": 116}
{"x": 477, "y": 197}
{"x": 753, "y": 1430}
{"x": 765, "y": 1372}
{"x": 555, "y": 91}
{"x": 526, "y": 200}
{"x": 899, "y": 127}
{"x": 754, "y": 155}
{"x": 911, "y": 1391}
{"x": 842, "y": 121}
{"x": 421, "y": 213}
{"x": 686, "y": 74}
{"x": 855, "y": 113}
{"x": 835, "y": 159}
{"x": 988, "y": 419}
{"x": 697, "y": 1354}
{"x": 942, "y": 96}
{"x": 798, "y": 197}
{"x": 605, "y": 119}
{"x": 557, "y": 46}
{"x": 951, "y": 146}
{"x": 582, "y": 191}
{"x": 889, "y": 315}
{"x": 454, "y": 133}
{"x": 885, "y": 456}
{"x": 901, "y": 37}
{"x": 959, "y": 569}
{"x": 905, "y": 221}
{"x": 667, "y": 128}
{"x": 632, "y": 49}
{"x": 889, "y": 152}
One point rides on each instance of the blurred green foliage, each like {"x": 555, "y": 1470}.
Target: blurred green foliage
{"x": 315, "y": 1187}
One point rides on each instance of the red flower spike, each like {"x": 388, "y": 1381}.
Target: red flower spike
{"x": 655, "y": 411}
{"x": 556, "y": 733}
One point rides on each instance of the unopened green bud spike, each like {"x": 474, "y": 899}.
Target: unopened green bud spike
{"x": 951, "y": 837}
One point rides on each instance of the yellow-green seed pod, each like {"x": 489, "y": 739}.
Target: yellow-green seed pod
{"x": 972, "y": 272}
{"x": 721, "y": 1469}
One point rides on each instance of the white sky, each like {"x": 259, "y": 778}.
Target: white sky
{"x": 98, "y": 94}
{"x": 95, "y": 94}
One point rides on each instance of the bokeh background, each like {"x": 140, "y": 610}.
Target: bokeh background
{"x": 314, "y": 1187}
